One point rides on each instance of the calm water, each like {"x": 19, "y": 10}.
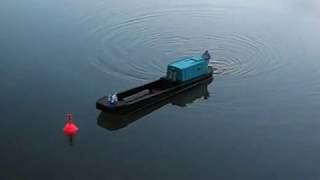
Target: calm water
{"x": 258, "y": 119}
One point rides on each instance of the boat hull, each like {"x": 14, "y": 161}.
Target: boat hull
{"x": 145, "y": 101}
{"x": 115, "y": 121}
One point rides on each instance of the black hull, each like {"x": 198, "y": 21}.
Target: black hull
{"x": 114, "y": 121}
{"x": 164, "y": 90}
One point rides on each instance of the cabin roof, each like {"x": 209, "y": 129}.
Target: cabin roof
{"x": 185, "y": 63}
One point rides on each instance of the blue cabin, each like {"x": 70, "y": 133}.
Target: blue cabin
{"x": 188, "y": 68}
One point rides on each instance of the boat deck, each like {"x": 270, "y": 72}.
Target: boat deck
{"x": 141, "y": 96}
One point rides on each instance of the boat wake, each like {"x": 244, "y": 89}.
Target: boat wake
{"x": 139, "y": 47}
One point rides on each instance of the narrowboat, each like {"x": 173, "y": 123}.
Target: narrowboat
{"x": 182, "y": 75}
{"x": 114, "y": 121}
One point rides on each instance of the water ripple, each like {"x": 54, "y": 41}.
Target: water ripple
{"x": 139, "y": 47}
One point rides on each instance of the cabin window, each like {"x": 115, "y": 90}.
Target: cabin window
{"x": 169, "y": 74}
{"x": 172, "y": 75}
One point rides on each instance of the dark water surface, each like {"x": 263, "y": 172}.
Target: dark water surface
{"x": 258, "y": 119}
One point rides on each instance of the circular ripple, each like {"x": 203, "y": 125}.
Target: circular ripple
{"x": 139, "y": 47}
{"x": 245, "y": 56}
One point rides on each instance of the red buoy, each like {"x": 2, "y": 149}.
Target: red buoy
{"x": 70, "y": 129}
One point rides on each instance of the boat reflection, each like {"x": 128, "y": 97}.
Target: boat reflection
{"x": 112, "y": 121}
